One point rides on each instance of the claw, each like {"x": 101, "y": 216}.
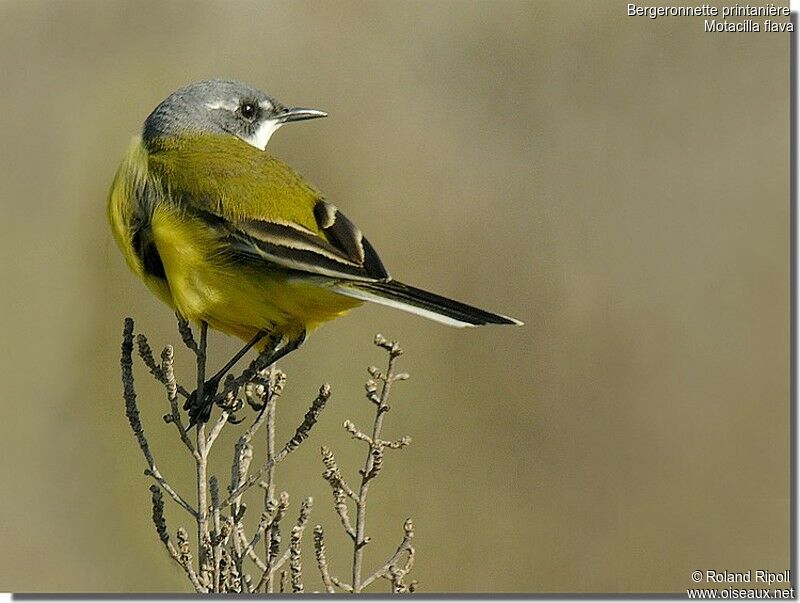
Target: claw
{"x": 200, "y": 412}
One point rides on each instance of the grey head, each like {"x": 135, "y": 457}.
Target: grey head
{"x": 221, "y": 107}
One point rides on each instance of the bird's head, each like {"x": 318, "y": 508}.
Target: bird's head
{"x": 222, "y": 107}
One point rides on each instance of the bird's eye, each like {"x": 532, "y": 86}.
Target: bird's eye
{"x": 248, "y": 110}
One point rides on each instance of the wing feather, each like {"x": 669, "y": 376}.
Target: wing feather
{"x": 338, "y": 251}
{"x": 347, "y": 237}
{"x": 293, "y": 249}
{"x": 277, "y": 218}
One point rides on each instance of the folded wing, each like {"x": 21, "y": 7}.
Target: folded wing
{"x": 338, "y": 250}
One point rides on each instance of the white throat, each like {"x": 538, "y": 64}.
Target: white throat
{"x": 261, "y": 136}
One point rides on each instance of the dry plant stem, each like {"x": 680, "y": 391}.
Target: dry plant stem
{"x": 146, "y": 354}
{"x": 269, "y": 524}
{"x": 295, "y": 564}
{"x": 293, "y": 553}
{"x": 216, "y": 539}
{"x": 267, "y": 390}
{"x": 301, "y": 434}
{"x": 132, "y": 412}
{"x": 217, "y": 429}
{"x": 404, "y": 549}
{"x": 242, "y": 459}
{"x": 224, "y": 548}
{"x": 269, "y": 491}
{"x": 396, "y": 567}
{"x": 168, "y": 369}
{"x": 322, "y": 559}
{"x": 369, "y": 470}
{"x": 342, "y": 585}
{"x": 186, "y": 333}
{"x": 161, "y": 529}
{"x": 201, "y": 461}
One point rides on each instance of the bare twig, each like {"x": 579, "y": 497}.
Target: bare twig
{"x": 276, "y": 562}
{"x": 405, "y": 548}
{"x": 322, "y": 558}
{"x": 332, "y": 473}
{"x": 295, "y": 561}
{"x": 224, "y": 548}
{"x": 168, "y": 371}
{"x": 270, "y": 523}
{"x": 269, "y": 485}
{"x": 146, "y": 354}
{"x": 378, "y": 388}
{"x": 216, "y": 532}
{"x": 156, "y": 475}
{"x": 132, "y": 412}
{"x": 300, "y": 434}
{"x": 186, "y": 334}
{"x": 217, "y": 428}
{"x": 333, "y": 476}
{"x": 161, "y": 528}
{"x": 374, "y": 458}
{"x": 342, "y": 585}
{"x": 201, "y": 460}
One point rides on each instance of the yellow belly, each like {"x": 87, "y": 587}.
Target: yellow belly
{"x": 236, "y": 297}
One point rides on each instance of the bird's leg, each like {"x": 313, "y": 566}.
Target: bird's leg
{"x": 232, "y": 362}
{"x": 202, "y": 410}
{"x": 290, "y": 346}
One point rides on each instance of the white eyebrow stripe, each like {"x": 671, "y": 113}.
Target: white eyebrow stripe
{"x": 266, "y": 105}
{"x": 223, "y": 105}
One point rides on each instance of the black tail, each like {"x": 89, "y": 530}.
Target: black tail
{"x": 424, "y": 303}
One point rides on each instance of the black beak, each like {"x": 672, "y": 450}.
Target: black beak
{"x": 297, "y": 114}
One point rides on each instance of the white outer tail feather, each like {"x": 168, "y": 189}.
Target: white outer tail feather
{"x": 393, "y": 303}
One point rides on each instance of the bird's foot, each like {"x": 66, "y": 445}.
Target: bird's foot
{"x": 200, "y": 410}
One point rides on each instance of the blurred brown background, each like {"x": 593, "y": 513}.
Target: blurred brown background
{"x": 618, "y": 183}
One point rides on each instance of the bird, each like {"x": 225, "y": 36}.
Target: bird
{"x": 232, "y": 237}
